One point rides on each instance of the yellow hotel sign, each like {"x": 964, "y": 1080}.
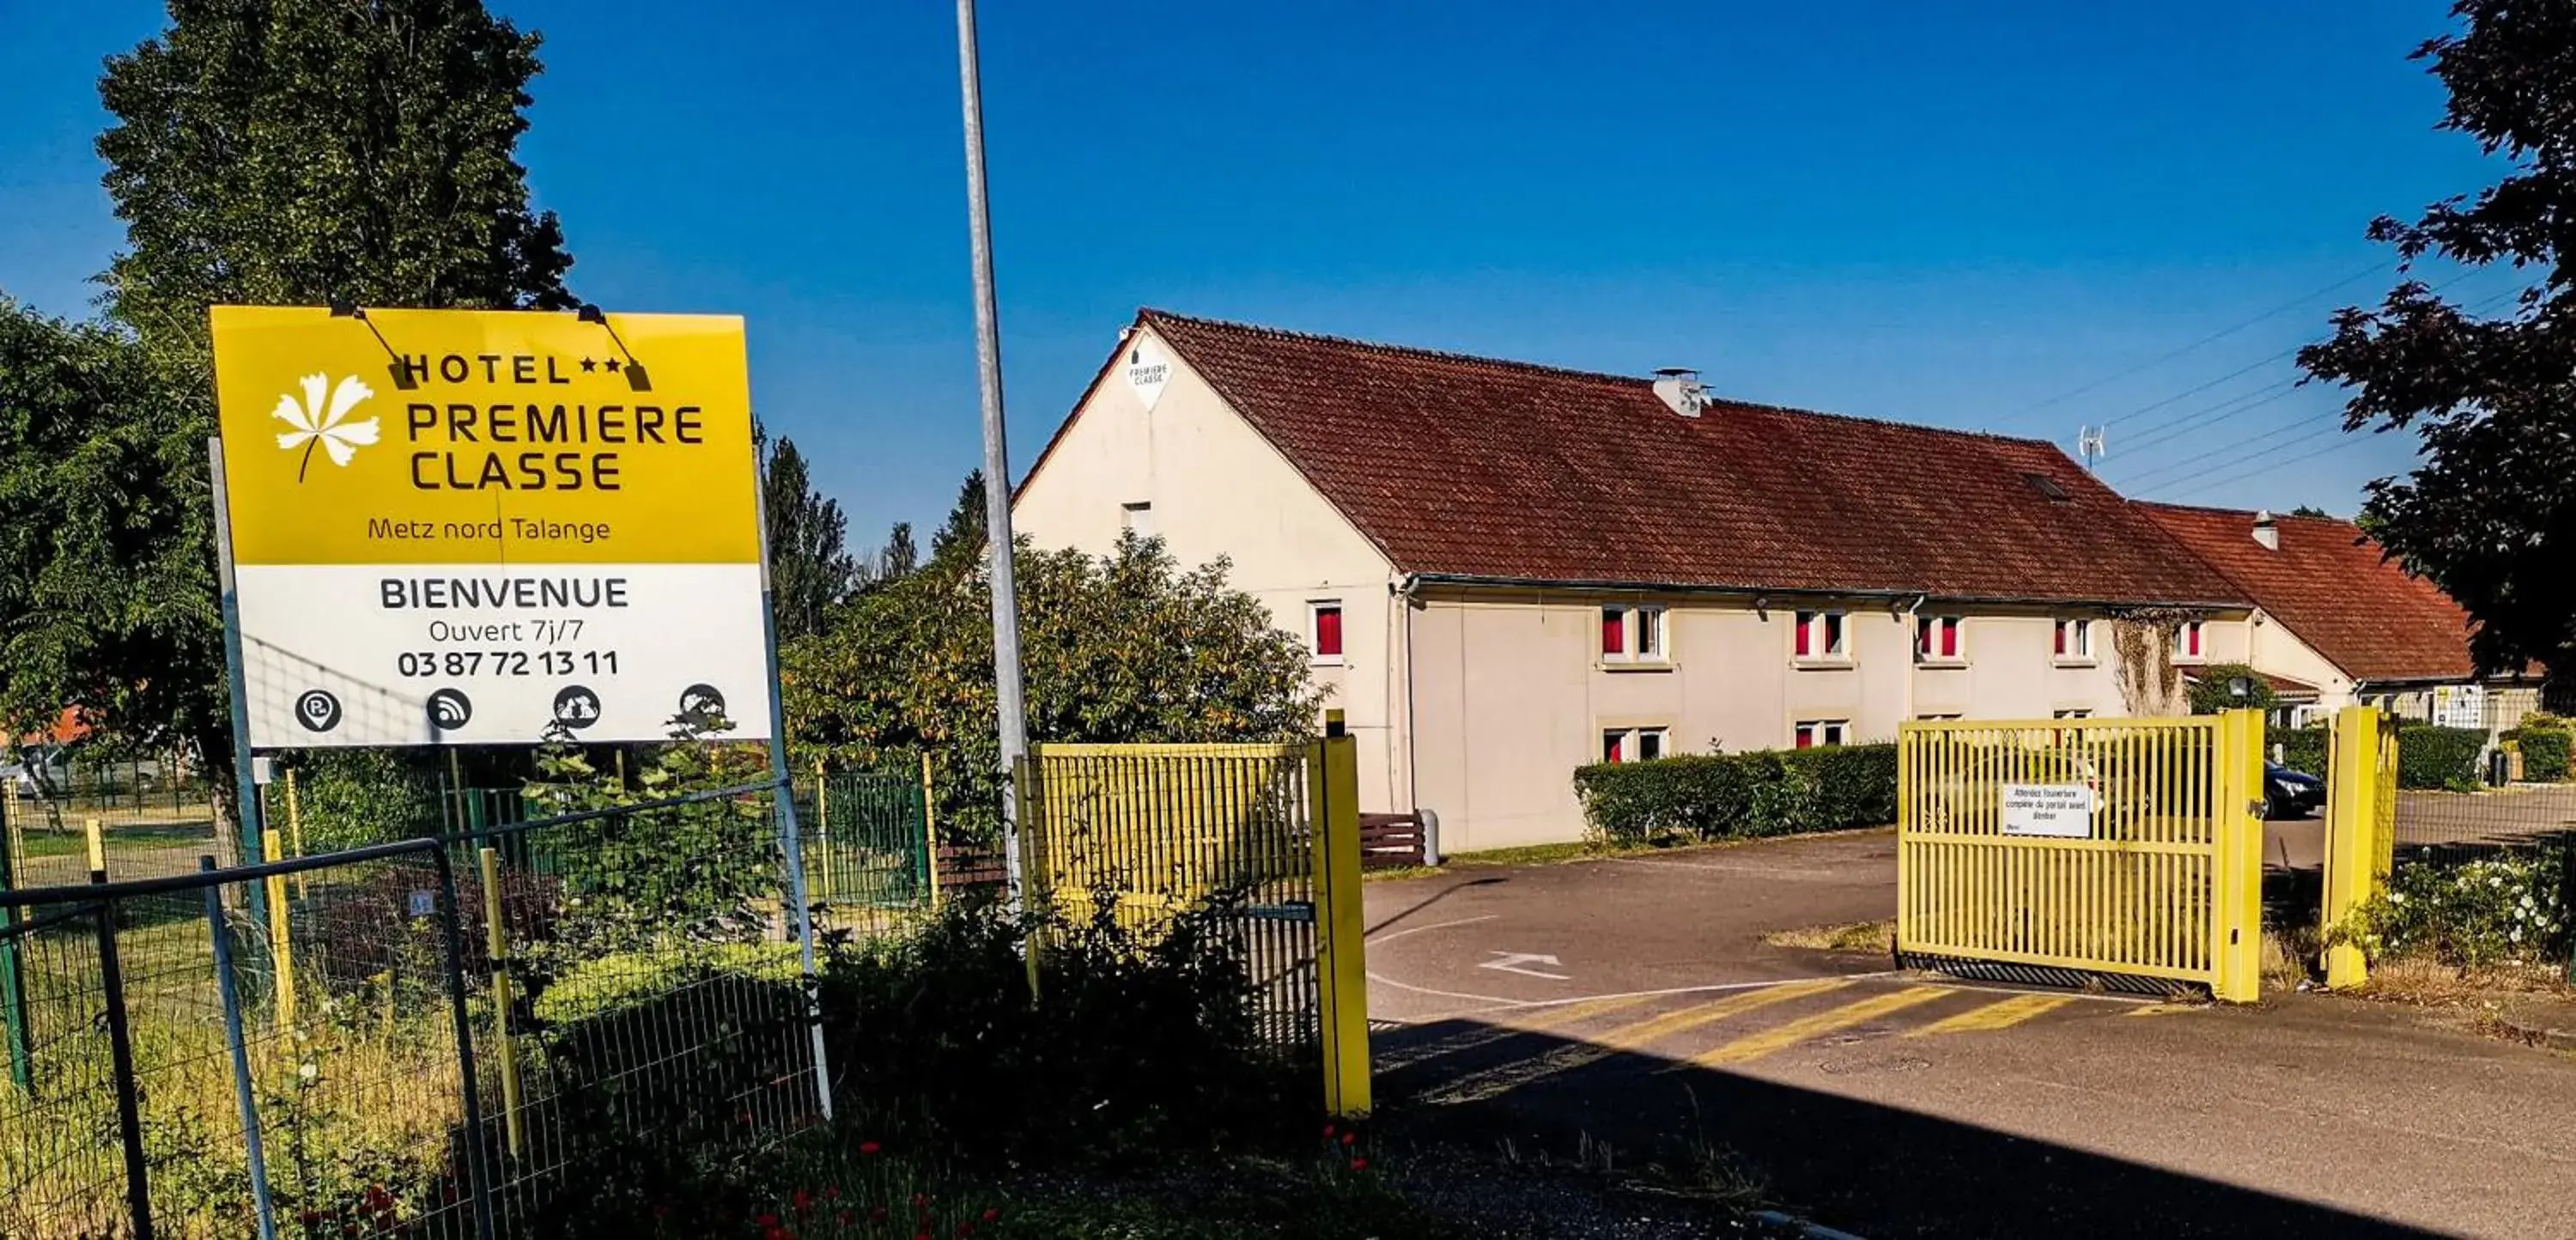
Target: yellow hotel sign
{"x": 467, "y": 436}
{"x": 491, "y": 527}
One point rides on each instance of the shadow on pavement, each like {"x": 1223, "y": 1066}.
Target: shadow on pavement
{"x": 1874, "y": 1170}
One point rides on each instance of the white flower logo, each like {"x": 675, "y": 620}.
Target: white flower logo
{"x": 317, "y": 420}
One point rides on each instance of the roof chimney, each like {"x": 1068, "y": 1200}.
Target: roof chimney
{"x": 2266, "y": 531}
{"x": 1679, "y": 387}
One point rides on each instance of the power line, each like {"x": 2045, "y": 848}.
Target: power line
{"x": 2261, "y": 467}
{"x": 2221, "y": 334}
{"x": 2230, "y": 447}
{"x": 2166, "y": 429}
{"x": 2171, "y": 428}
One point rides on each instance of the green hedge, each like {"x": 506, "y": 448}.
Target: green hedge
{"x": 2431, "y": 757}
{"x": 1730, "y": 796}
{"x": 2303, "y": 749}
{"x": 2544, "y": 753}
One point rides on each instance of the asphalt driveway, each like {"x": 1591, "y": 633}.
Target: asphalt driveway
{"x": 1632, "y": 1005}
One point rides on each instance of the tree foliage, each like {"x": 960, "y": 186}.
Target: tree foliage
{"x": 963, "y": 532}
{"x": 260, "y": 151}
{"x": 292, "y": 152}
{"x": 107, "y": 574}
{"x": 2490, "y": 514}
{"x": 809, "y": 568}
{"x": 1124, "y": 647}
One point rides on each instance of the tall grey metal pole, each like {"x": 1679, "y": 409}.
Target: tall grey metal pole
{"x": 1013, "y": 711}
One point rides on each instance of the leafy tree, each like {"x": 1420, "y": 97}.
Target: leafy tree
{"x": 2213, "y": 689}
{"x": 2311, "y": 510}
{"x": 900, "y": 557}
{"x": 261, "y": 151}
{"x": 107, "y": 575}
{"x": 1124, "y": 647}
{"x": 297, "y": 151}
{"x": 809, "y": 569}
{"x": 963, "y": 532}
{"x": 2490, "y": 514}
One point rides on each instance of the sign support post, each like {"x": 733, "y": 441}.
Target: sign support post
{"x": 790, "y": 845}
{"x": 245, "y": 785}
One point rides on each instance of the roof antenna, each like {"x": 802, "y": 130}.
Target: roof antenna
{"x": 2088, "y": 444}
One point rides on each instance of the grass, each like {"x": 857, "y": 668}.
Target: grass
{"x": 1872, "y": 937}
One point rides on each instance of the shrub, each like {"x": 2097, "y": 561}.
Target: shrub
{"x": 1138, "y": 1041}
{"x": 350, "y": 798}
{"x": 2209, "y": 689}
{"x": 1725, "y": 796}
{"x": 2431, "y": 757}
{"x": 2544, "y": 742}
{"x": 2303, "y": 749}
{"x": 2497, "y": 910}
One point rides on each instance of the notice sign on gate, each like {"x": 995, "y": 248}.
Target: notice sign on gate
{"x": 488, "y": 527}
{"x": 2060, "y": 811}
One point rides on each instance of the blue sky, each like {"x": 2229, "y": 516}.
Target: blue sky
{"x": 1952, "y": 214}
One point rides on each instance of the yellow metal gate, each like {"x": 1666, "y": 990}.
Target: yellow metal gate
{"x": 2106, "y": 847}
{"x": 1159, "y": 828}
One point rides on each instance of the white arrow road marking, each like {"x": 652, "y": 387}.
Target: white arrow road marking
{"x": 1517, "y": 962}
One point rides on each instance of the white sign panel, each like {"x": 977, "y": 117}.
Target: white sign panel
{"x": 2460, "y": 706}
{"x": 2059, "y": 811}
{"x": 1148, "y": 373}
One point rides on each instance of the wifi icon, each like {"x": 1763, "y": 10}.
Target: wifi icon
{"x": 449, "y": 709}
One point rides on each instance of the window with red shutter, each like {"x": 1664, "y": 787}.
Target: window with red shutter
{"x": 1328, "y": 632}
{"x": 1806, "y": 634}
{"x": 2061, "y": 639}
{"x": 1950, "y": 637}
{"x": 1614, "y": 631}
{"x": 1610, "y": 746}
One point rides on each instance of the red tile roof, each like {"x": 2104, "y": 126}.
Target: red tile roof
{"x": 2332, "y": 588}
{"x": 1470, "y": 467}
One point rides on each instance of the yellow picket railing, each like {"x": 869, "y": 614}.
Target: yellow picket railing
{"x": 2099, "y": 846}
{"x": 1158, "y": 829}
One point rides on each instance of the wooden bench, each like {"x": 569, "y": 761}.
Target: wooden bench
{"x": 1390, "y": 841}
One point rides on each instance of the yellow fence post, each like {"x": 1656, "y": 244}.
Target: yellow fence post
{"x": 1341, "y": 926}
{"x": 2238, "y": 832}
{"x": 2353, "y": 872}
{"x": 281, "y": 941}
{"x": 294, "y": 825}
{"x": 823, "y": 824}
{"x": 97, "y": 850}
{"x": 930, "y": 832}
{"x": 496, "y": 944}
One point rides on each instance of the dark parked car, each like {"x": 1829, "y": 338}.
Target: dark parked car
{"x": 2291, "y": 794}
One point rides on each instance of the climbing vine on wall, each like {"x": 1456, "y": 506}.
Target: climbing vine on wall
{"x": 2142, "y": 646}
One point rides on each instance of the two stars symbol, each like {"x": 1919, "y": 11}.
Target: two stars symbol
{"x": 588, "y": 366}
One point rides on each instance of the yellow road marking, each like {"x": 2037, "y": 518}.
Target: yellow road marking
{"x": 1503, "y": 1078}
{"x": 1755, "y": 1046}
{"x": 2162, "y": 1009}
{"x": 1469, "y": 1040}
{"x": 2001, "y": 1014}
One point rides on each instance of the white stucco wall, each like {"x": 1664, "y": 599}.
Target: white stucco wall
{"x": 1217, "y": 488}
{"x": 1512, "y": 694}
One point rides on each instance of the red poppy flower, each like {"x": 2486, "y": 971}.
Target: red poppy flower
{"x": 765, "y": 1220}
{"x": 803, "y": 1200}
{"x": 1350, "y": 1137}
{"x": 1359, "y": 1164}
{"x": 869, "y": 1147}
{"x": 991, "y": 1213}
